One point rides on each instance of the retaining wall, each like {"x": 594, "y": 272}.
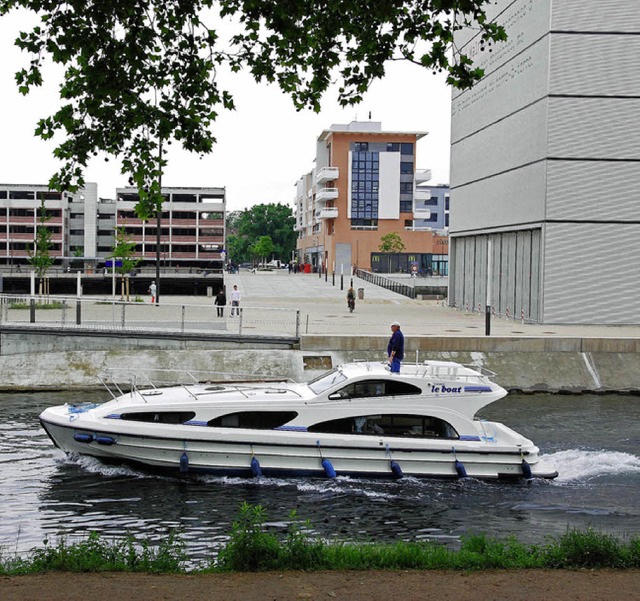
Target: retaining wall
{"x": 527, "y": 364}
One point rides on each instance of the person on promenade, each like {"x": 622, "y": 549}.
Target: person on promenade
{"x": 220, "y": 301}
{"x": 152, "y": 291}
{"x": 351, "y": 299}
{"x": 235, "y": 300}
{"x": 395, "y": 348}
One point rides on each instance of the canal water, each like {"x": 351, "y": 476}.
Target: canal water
{"x": 593, "y": 440}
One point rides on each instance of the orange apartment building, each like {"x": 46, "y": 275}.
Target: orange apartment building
{"x": 364, "y": 185}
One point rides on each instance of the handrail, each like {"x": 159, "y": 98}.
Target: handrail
{"x": 387, "y": 283}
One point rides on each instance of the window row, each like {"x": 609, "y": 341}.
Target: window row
{"x": 397, "y": 425}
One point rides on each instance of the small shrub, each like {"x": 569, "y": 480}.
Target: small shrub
{"x": 250, "y": 548}
{"x": 299, "y": 552}
{"x": 38, "y": 306}
{"x": 586, "y": 549}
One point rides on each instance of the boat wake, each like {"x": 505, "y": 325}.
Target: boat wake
{"x": 577, "y": 464}
{"x": 95, "y": 466}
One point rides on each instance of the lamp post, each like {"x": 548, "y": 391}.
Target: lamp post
{"x": 158, "y": 222}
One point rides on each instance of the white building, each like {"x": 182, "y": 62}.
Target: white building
{"x": 545, "y": 165}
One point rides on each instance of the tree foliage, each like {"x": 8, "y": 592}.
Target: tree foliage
{"x": 391, "y": 243}
{"x": 124, "y": 248}
{"x": 40, "y": 257}
{"x": 274, "y": 220}
{"x": 263, "y": 248}
{"x": 140, "y": 74}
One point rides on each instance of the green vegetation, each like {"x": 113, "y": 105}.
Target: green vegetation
{"x": 38, "y": 306}
{"x": 391, "y": 243}
{"x": 247, "y": 233}
{"x": 97, "y": 555}
{"x": 252, "y": 548}
{"x": 40, "y": 257}
{"x": 139, "y": 76}
{"x": 123, "y": 250}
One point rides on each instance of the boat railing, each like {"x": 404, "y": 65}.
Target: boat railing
{"x": 454, "y": 372}
{"x": 119, "y": 381}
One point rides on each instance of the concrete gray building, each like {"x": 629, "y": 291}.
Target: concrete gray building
{"x": 545, "y": 165}
{"x": 83, "y": 225}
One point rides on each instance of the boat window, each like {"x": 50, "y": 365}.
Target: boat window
{"x": 258, "y": 420}
{"x": 160, "y": 417}
{"x": 369, "y": 388}
{"x": 419, "y": 426}
{"x": 326, "y": 380}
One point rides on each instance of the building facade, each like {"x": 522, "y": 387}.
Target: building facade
{"x": 83, "y": 226}
{"x": 365, "y": 185}
{"x": 20, "y": 216}
{"x": 534, "y": 143}
{"x": 192, "y": 227}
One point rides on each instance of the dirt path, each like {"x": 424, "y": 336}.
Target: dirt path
{"x": 524, "y": 585}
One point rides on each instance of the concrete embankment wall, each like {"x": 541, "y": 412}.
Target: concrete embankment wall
{"x": 42, "y": 360}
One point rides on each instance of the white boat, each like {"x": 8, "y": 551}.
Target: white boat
{"x": 357, "y": 420}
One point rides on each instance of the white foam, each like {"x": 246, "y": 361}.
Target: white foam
{"x": 577, "y": 464}
{"x": 95, "y": 466}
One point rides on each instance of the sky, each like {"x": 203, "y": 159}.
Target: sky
{"x": 263, "y": 148}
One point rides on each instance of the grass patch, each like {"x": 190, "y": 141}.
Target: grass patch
{"x": 38, "y": 306}
{"x": 99, "y": 555}
{"x": 251, "y": 547}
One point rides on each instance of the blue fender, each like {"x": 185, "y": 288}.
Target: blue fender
{"x": 184, "y": 463}
{"x": 105, "y": 440}
{"x": 328, "y": 468}
{"x": 396, "y": 469}
{"x": 460, "y": 469}
{"x": 256, "y": 470}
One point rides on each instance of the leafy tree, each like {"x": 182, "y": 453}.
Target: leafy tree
{"x": 233, "y": 220}
{"x": 40, "y": 257}
{"x": 273, "y": 220}
{"x": 263, "y": 248}
{"x": 124, "y": 249}
{"x": 77, "y": 253}
{"x": 139, "y": 75}
{"x": 238, "y": 249}
{"x": 391, "y": 243}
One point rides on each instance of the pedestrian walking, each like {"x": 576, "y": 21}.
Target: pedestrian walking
{"x": 220, "y": 301}
{"x": 152, "y": 291}
{"x": 235, "y": 300}
{"x": 395, "y": 348}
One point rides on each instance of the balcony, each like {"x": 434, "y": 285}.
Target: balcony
{"x": 328, "y": 213}
{"x": 422, "y": 194}
{"x": 325, "y": 194}
{"x": 422, "y": 175}
{"x": 327, "y": 174}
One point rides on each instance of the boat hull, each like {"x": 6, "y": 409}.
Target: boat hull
{"x": 285, "y": 454}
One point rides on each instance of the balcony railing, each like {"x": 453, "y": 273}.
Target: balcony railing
{"x": 325, "y": 194}
{"x": 327, "y": 174}
{"x": 422, "y": 175}
{"x": 328, "y": 213}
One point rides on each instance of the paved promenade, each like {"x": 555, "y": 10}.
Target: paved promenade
{"x": 273, "y": 301}
{"x": 324, "y": 310}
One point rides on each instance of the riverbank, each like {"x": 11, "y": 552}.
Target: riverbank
{"x": 503, "y": 585}
{"x": 525, "y": 357}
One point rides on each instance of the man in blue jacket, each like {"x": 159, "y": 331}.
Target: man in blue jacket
{"x": 395, "y": 348}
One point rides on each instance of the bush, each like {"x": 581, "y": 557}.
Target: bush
{"x": 588, "y": 549}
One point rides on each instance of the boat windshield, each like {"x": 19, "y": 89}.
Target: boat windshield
{"x": 327, "y": 380}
